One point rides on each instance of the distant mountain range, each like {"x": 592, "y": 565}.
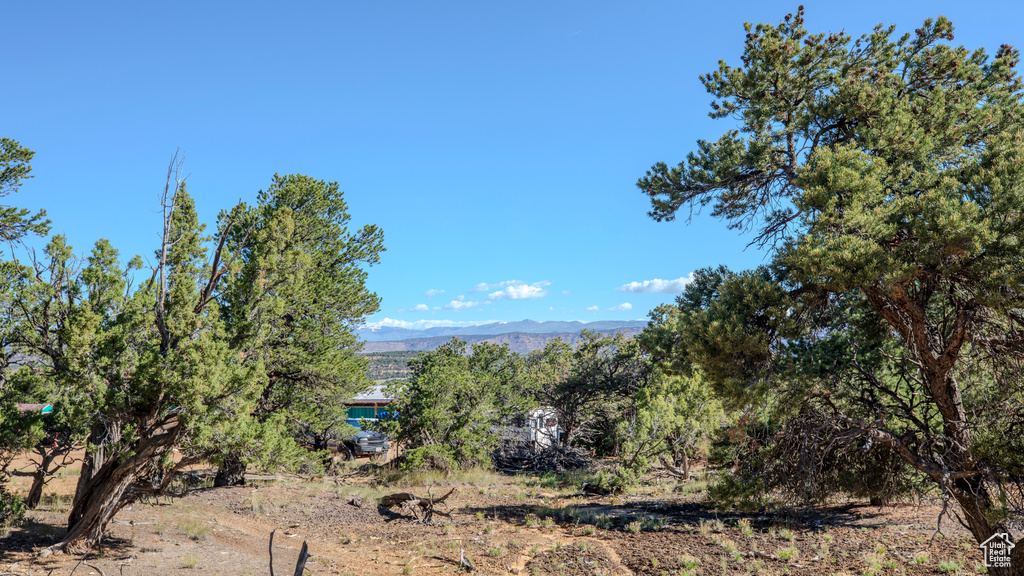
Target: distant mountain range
{"x": 385, "y": 334}
{"x": 522, "y": 337}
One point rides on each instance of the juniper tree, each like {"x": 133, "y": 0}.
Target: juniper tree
{"x": 294, "y": 305}
{"x": 588, "y": 385}
{"x": 670, "y": 421}
{"x": 448, "y": 413}
{"x": 18, "y": 431}
{"x": 181, "y": 361}
{"x": 890, "y": 169}
{"x": 48, "y": 440}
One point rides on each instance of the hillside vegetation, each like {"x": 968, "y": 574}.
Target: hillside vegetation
{"x": 518, "y": 342}
{"x": 386, "y": 366}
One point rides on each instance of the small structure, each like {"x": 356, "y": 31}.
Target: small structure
{"x": 43, "y": 409}
{"x": 369, "y": 404}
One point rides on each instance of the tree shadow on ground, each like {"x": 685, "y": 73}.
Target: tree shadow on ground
{"x": 33, "y": 536}
{"x": 649, "y": 512}
{"x": 390, "y": 515}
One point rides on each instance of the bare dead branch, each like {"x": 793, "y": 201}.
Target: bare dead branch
{"x": 422, "y": 508}
{"x": 270, "y": 550}
{"x": 300, "y": 566}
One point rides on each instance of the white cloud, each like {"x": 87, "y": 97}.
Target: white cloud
{"x": 657, "y": 286}
{"x": 484, "y": 286}
{"x": 416, "y": 308}
{"x": 592, "y": 308}
{"x": 460, "y": 304}
{"x": 521, "y": 292}
{"x": 432, "y": 292}
{"x": 566, "y": 292}
{"x": 622, "y": 307}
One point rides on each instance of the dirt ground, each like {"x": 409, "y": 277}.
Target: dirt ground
{"x": 501, "y": 524}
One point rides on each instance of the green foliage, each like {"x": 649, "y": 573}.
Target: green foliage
{"x": 884, "y": 174}
{"x": 618, "y": 479}
{"x": 18, "y": 432}
{"x": 12, "y": 511}
{"x": 589, "y": 385}
{"x": 236, "y": 341}
{"x": 673, "y": 417}
{"x": 744, "y": 492}
{"x": 15, "y": 166}
{"x": 449, "y": 410}
{"x": 293, "y": 304}
{"x": 723, "y": 324}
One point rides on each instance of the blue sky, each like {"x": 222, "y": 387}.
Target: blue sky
{"x": 496, "y": 144}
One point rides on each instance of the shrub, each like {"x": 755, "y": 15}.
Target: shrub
{"x": 12, "y": 511}
{"x": 787, "y": 554}
{"x": 950, "y": 566}
{"x": 746, "y": 492}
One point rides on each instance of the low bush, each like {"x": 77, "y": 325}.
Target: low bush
{"x": 12, "y": 511}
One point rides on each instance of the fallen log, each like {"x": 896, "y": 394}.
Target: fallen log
{"x": 422, "y": 508}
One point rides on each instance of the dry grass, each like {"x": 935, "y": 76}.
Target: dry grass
{"x": 193, "y": 528}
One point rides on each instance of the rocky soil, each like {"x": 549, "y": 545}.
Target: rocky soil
{"x": 499, "y": 524}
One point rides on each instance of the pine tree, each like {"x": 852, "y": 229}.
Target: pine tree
{"x": 887, "y": 171}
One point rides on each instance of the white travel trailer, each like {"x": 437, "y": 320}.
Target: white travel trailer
{"x": 538, "y": 428}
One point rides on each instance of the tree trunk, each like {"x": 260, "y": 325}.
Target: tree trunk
{"x": 974, "y": 500}
{"x": 95, "y": 457}
{"x": 1016, "y": 560}
{"x": 110, "y": 488}
{"x": 937, "y": 353}
{"x": 231, "y": 472}
{"x": 35, "y": 492}
{"x": 681, "y": 461}
{"x": 42, "y": 474}
{"x": 97, "y": 505}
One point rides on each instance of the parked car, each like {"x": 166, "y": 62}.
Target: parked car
{"x": 363, "y": 443}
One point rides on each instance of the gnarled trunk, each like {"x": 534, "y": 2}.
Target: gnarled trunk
{"x": 974, "y": 500}
{"x": 937, "y": 352}
{"x": 679, "y": 466}
{"x": 100, "y": 436}
{"x": 35, "y": 492}
{"x": 231, "y": 472}
{"x": 113, "y": 486}
{"x": 107, "y": 493}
